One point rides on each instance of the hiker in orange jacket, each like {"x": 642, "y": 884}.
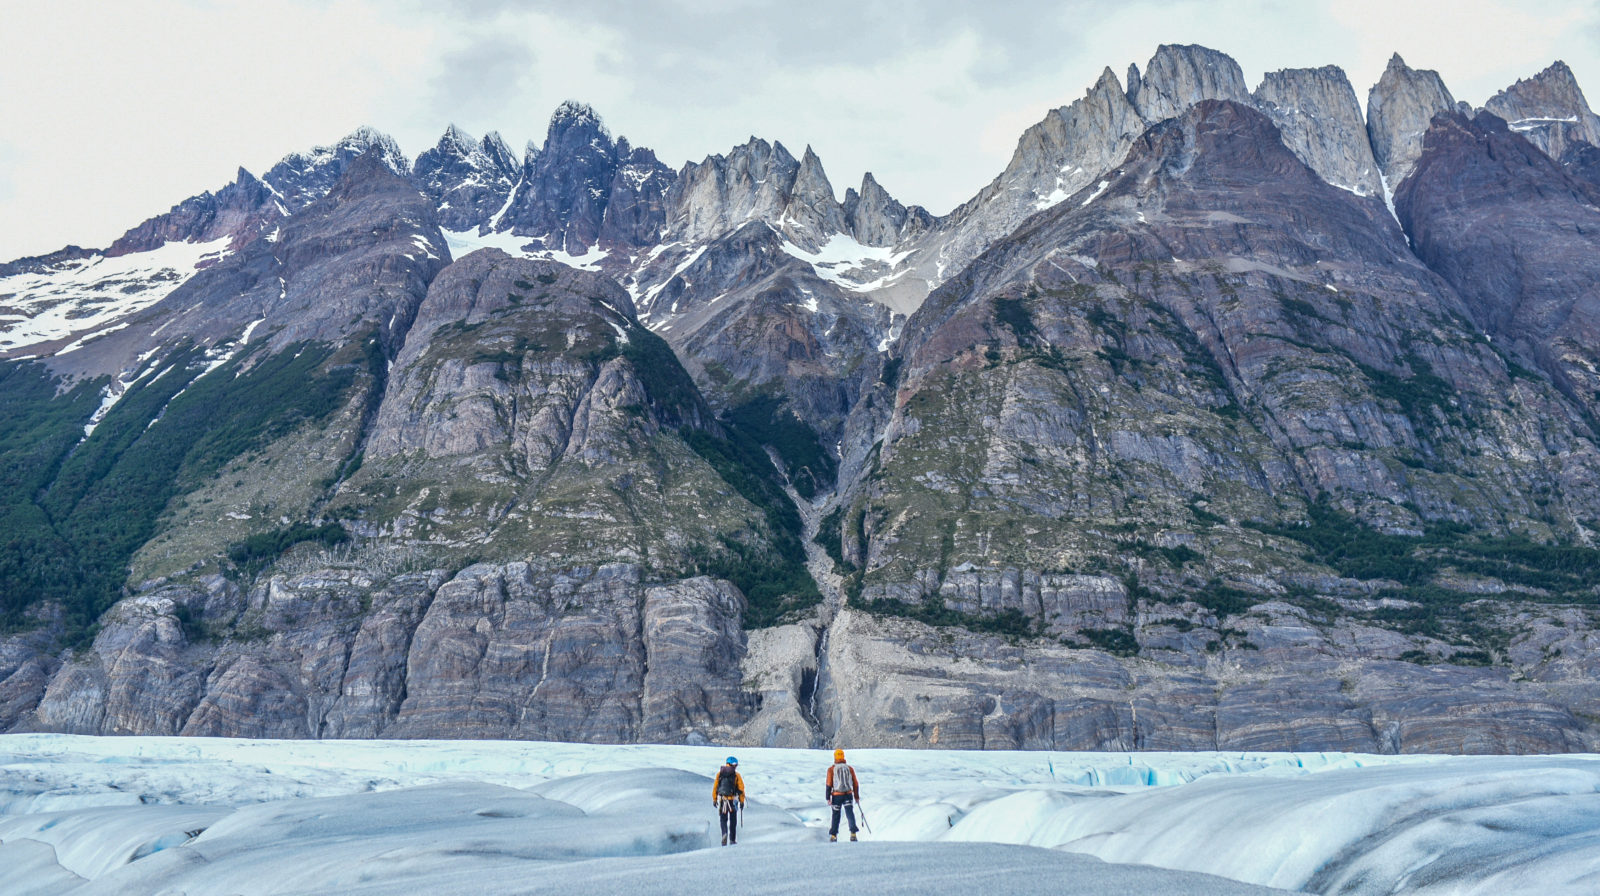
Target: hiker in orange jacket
{"x": 843, "y": 791}
{"x": 727, "y": 794}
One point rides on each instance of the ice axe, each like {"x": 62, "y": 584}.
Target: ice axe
{"x": 861, "y": 811}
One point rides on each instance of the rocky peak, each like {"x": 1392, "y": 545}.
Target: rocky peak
{"x": 458, "y": 141}
{"x": 573, "y": 115}
{"x": 636, "y": 212}
{"x": 1399, "y": 109}
{"x": 1177, "y": 77}
{"x": 1054, "y": 159}
{"x": 458, "y": 150}
{"x": 813, "y": 212}
{"x": 499, "y": 153}
{"x": 1074, "y": 143}
{"x": 576, "y": 130}
{"x": 241, "y": 210}
{"x": 566, "y": 184}
{"x": 468, "y": 179}
{"x": 301, "y": 178}
{"x": 875, "y": 217}
{"x": 1549, "y": 109}
{"x": 752, "y": 182}
{"x": 1319, "y": 116}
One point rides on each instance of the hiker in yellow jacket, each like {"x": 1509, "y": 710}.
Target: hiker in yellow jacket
{"x": 843, "y": 792}
{"x": 727, "y": 794}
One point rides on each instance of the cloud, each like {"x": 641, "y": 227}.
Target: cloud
{"x": 10, "y": 160}
{"x": 474, "y": 82}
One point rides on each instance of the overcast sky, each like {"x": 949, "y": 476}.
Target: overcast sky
{"x": 111, "y": 113}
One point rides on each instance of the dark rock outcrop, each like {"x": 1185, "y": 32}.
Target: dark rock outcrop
{"x": 1178, "y": 76}
{"x": 301, "y": 178}
{"x": 1514, "y": 234}
{"x": 240, "y": 212}
{"x": 469, "y": 180}
{"x": 563, "y": 197}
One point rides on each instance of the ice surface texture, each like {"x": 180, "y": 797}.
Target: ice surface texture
{"x": 133, "y": 815}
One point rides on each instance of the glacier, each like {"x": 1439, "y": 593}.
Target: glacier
{"x": 85, "y": 815}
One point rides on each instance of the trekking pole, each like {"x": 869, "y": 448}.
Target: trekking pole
{"x": 862, "y": 811}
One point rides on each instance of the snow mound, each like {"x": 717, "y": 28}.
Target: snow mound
{"x": 850, "y": 264}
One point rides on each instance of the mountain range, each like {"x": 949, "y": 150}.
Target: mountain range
{"x": 1221, "y": 419}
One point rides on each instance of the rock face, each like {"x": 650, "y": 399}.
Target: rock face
{"x": 565, "y": 191}
{"x": 636, "y": 212}
{"x": 898, "y": 684}
{"x": 469, "y": 180}
{"x": 876, "y": 218}
{"x": 1399, "y": 109}
{"x": 596, "y": 658}
{"x": 239, "y": 212}
{"x": 1054, "y": 159}
{"x": 1549, "y": 110}
{"x": 1511, "y": 231}
{"x": 1163, "y": 353}
{"x": 588, "y": 655}
{"x": 720, "y": 194}
{"x": 301, "y": 178}
{"x": 1316, "y": 111}
{"x": 1582, "y": 161}
{"x": 1177, "y": 77}
{"x": 565, "y": 185}
{"x": 1176, "y": 436}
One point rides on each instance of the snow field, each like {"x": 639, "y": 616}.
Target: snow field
{"x": 88, "y": 295}
{"x": 131, "y": 815}
{"x": 465, "y": 242}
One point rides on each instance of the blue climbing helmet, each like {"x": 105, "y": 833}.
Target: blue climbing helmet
{"x": 733, "y": 760}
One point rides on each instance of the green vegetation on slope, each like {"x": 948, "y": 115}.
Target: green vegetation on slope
{"x": 37, "y": 429}
{"x": 671, "y": 390}
{"x": 1567, "y": 573}
{"x": 255, "y": 552}
{"x": 168, "y": 434}
{"x": 1011, "y": 623}
{"x": 765, "y": 420}
{"x": 775, "y": 581}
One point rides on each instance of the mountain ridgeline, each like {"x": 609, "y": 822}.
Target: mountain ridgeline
{"x": 1221, "y": 419}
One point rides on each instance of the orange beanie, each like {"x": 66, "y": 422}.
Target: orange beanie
{"x": 838, "y": 755}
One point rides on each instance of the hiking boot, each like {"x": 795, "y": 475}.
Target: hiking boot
{"x": 832, "y": 838}
{"x": 724, "y": 839}
{"x": 852, "y": 838}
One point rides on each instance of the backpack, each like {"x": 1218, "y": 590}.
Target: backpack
{"x": 844, "y": 779}
{"x": 727, "y": 784}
